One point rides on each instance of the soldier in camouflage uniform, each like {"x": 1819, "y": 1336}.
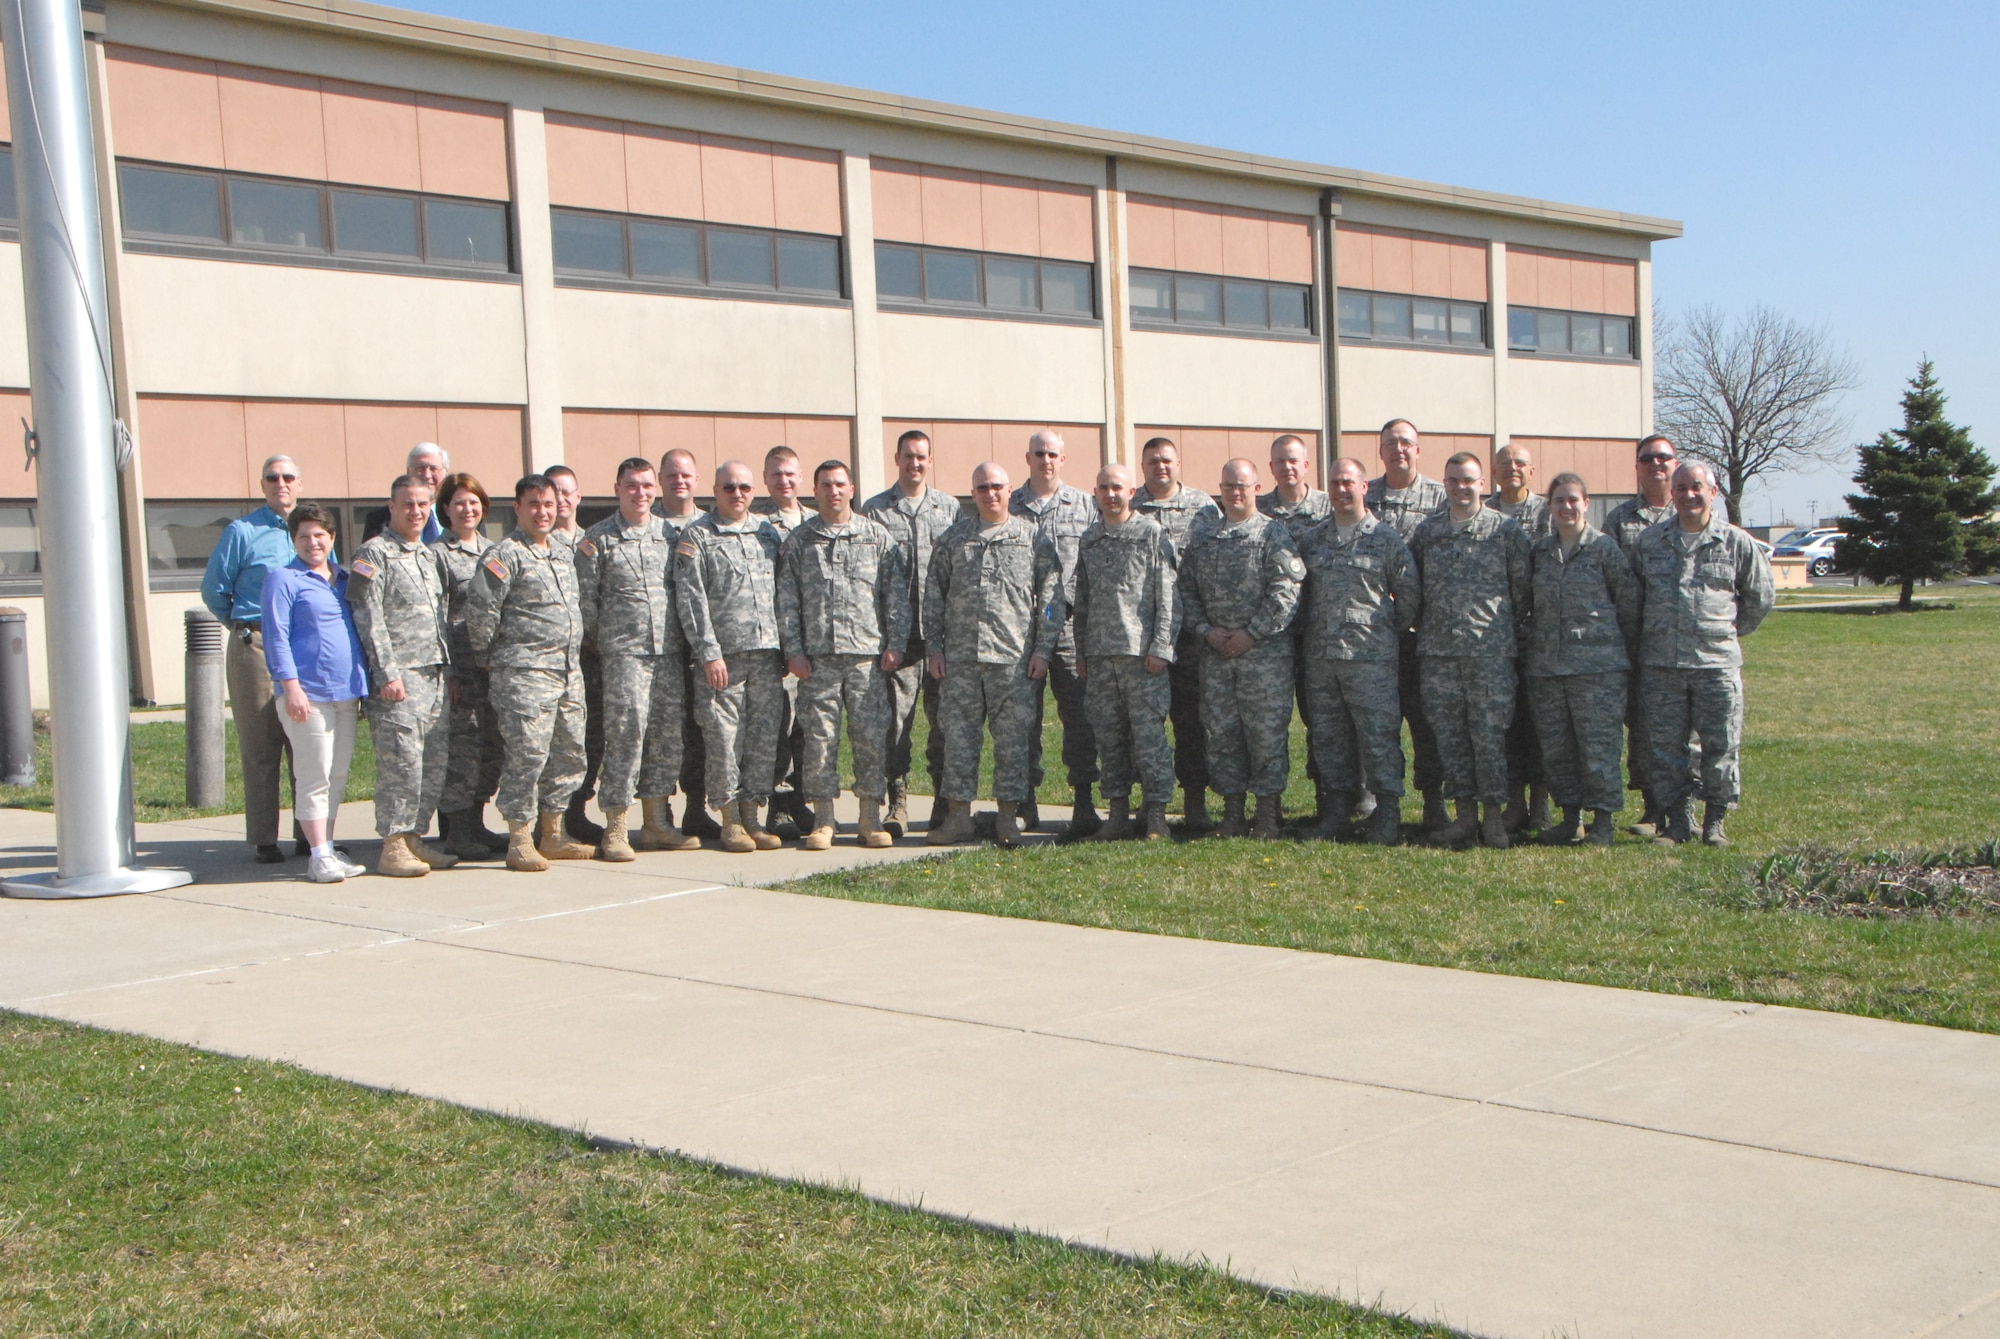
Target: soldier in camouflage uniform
{"x": 1239, "y": 587}
{"x": 1653, "y": 468}
{"x": 917, "y": 515}
{"x": 1704, "y": 585}
{"x": 1127, "y": 619}
{"x": 1401, "y": 497}
{"x": 1062, "y": 513}
{"x": 726, "y": 587}
{"x": 994, "y": 602}
{"x": 1514, "y": 496}
{"x": 780, "y": 506}
{"x": 843, "y": 615}
{"x": 622, "y": 568}
{"x": 524, "y": 618}
{"x": 396, "y": 591}
{"x": 472, "y": 766}
{"x": 1294, "y": 503}
{"x": 677, "y": 509}
{"x": 1585, "y": 613}
{"x": 1182, "y": 512}
{"x": 1474, "y": 566}
{"x": 569, "y": 529}
{"x": 1361, "y": 595}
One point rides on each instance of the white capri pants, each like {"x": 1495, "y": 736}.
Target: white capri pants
{"x": 322, "y": 746}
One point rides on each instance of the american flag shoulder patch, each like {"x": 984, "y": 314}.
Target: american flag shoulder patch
{"x": 685, "y": 548}
{"x": 361, "y": 567}
{"x": 497, "y": 568}
{"x": 586, "y": 548}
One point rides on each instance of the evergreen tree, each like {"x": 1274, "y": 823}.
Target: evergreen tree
{"x": 1926, "y": 501}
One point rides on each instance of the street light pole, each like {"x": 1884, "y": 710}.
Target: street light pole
{"x": 69, "y": 378}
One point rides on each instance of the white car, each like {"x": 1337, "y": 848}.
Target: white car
{"x": 1815, "y": 546}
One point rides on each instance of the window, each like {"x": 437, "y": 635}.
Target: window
{"x": 1203, "y": 301}
{"x": 20, "y": 549}
{"x": 1393, "y": 318}
{"x": 10, "y": 214}
{"x": 225, "y": 212}
{"x": 181, "y": 535}
{"x": 1570, "y": 334}
{"x": 633, "y": 251}
{"x": 936, "y": 277}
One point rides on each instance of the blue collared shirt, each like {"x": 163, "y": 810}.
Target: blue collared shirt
{"x": 309, "y": 634}
{"x": 233, "y": 585}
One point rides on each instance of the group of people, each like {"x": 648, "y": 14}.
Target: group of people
{"x": 720, "y": 653}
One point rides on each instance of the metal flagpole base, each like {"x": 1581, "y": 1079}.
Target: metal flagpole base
{"x": 113, "y": 883}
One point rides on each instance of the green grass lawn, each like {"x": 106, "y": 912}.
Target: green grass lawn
{"x": 153, "y": 1189}
{"x": 1862, "y": 729}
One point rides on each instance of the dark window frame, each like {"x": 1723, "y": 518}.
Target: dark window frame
{"x": 10, "y": 224}
{"x": 1484, "y": 344}
{"x": 328, "y": 254}
{"x": 24, "y": 583}
{"x": 705, "y": 286}
{"x": 983, "y": 305}
{"x": 1632, "y": 354}
{"x": 1223, "y": 283}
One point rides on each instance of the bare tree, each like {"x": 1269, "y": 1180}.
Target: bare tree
{"x": 1752, "y": 397}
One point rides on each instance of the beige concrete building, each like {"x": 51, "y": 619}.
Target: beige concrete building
{"x": 338, "y": 230}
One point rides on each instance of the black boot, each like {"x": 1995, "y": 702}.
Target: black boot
{"x": 577, "y": 824}
{"x": 1677, "y": 824}
{"x": 695, "y": 819}
{"x": 496, "y": 842}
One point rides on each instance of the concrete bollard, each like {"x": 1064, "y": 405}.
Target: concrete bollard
{"x": 17, "y": 714}
{"x": 207, "y": 646}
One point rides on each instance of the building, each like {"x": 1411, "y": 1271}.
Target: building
{"x": 335, "y": 231}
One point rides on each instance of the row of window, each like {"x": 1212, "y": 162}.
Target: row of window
{"x": 1210, "y": 300}
{"x": 299, "y": 218}
{"x": 937, "y": 276}
{"x": 1579, "y": 334}
{"x": 694, "y": 255}
{"x": 1395, "y": 319}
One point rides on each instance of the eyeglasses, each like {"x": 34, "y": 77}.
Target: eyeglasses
{"x": 1656, "y": 459}
{"x": 733, "y": 488}
{"x": 281, "y": 478}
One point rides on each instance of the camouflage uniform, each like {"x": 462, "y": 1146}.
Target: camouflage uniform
{"x": 1297, "y": 518}
{"x": 472, "y": 766}
{"x": 1062, "y": 517}
{"x": 1244, "y": 574}
{"x": 1188, "y": 512}
{"x": 993, "y": 603}
{"x": 791, "y": 743}
{"x": 395, "y": 587}
{"x": 1574, "y": 664}
{"x": 726, "y": 588}
{"x": 694, "y": 750}
{"x": 1126, "y": 610}
{"x": 918, "y": 524}
{"x": 622, "y": 575}
{"x": 1524, "y": 752}
{"x": 1403, "y": 509}
{"x": 842, "y": 602}
{"x": 1361, "y": 595}
{"x": 1531, "y": 513}
{"x": 524, "y": 618}
{"x": 1626, "y": 522}
{"x": 1699, "y": 595}
{"x": 1475, "y": 580}
{"x": 593, "y": 692}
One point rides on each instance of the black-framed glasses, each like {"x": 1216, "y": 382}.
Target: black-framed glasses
{"x": 281, "y": 478}
{"x": 1656, "y": 459}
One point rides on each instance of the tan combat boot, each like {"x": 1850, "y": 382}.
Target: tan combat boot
{"x": 1006, "y": 828}
{"x": 1232, "y": 817}
{"x": 956, "y": 829}
{"x": 1461, "y": 831}
{"x": 1493, "y": 831}
{"x": 869, "y": 831}
{"x": 521, "y": 852}
{"x": 1155, "y": 818}
{"x": 1270, "y": 810}
{"x": 765, "y": 840}
{"x": 735, "y": 837}
{"x": 398, "y": 861}
{"x": 555, "y": 844}
{"x": 429, "y": 854}
{"x": 820, "y": 838}
{"x": 616, "y": 843}
{"x": 899, "y": 810}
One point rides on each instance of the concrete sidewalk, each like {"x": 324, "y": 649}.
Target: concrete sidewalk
{"x": 1513, "y": 1157}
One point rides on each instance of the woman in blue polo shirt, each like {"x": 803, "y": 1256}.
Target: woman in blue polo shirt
{"x": 316, "y": 667}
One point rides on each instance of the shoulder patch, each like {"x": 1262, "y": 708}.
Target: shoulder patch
{"x": 1294, "y": 566}
{"x": 586, "y": 548}
{"x": 497, "y": 568}
{"x": 685, "y": 548}
{"x": 361, "y": 567}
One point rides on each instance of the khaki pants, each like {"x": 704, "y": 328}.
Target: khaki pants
{"x": 260, "y": 736}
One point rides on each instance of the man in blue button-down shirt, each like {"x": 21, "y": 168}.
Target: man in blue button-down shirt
{"x": 233, "y": 590}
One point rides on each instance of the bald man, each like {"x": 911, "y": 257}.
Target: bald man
{"x": 677, "y": 507}
{"x": 1294, "y": 503}
{"x": 1402, "y": 497}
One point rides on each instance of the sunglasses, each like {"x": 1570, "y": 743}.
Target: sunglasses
{"x": 1656, "y": 460}
{"x": 281, "y": 478}
{"x": 733, "y": 488}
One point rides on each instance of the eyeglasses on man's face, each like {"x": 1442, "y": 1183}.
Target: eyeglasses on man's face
{"x": 733, "y": 488}
{"x": 1657, "y": 459}
{"x": 281, "y": 478}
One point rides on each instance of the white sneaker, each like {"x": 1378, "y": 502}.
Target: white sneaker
{"x": 329, "y": 869}
{"x": 348, "y": 867}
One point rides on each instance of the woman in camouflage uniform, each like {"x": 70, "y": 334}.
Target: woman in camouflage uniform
{"x": 474, "y": 771}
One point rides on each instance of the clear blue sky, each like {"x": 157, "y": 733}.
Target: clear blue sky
{"x": 1837, "y": 161}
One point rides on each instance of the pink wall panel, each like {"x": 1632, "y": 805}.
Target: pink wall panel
{"x": 594, "y": 441}
{"x": 1524, "y": 278}
{"x": 1468, "y": 273}
{"x": 817, "y": 439}
{"x": 1149, "y": 233}
{"x": 1068, "y": 222}
{"x": 736, "y": 181}
{"x": 165, "y": 108}
{"x": 1291, "y": 248}
{"x": 1354, "y": 257}
{"x": 1604, "y": 464}
{"x": 1430, "y": 268}
{"x": 896, "y": 190}
{"x": 6, "y": 126}
{"x": 1204, "y": 451}
{"x": 371, "y": 135}
{"x": 271, "y": 123}
{"x": 1394, "y": 266}
{"x": 746, "y": 437}
{"x": 662, "y": 172}
{"x": 1621, "y": 288}
{"x": 313, "y": 433}
{"x": 463, "y": 145}
{"x": 194, "y": 448}
{"x": 805, "y": 187}
{"x": 951, "y": 208}
{"x": 484, "y": 440}
{"x": 1586, "y": 285}
{"x": 1010, "y": 216}
{"x": 959, "y": 447}
{"x": 379, "y": 438}
{"x": 1246, "y": 246}
{"x": 586, "y": 163}
{"x": 1198, "y": 238}
{"x": 1553, "y": 272}
{"x": 693, "y": 433}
